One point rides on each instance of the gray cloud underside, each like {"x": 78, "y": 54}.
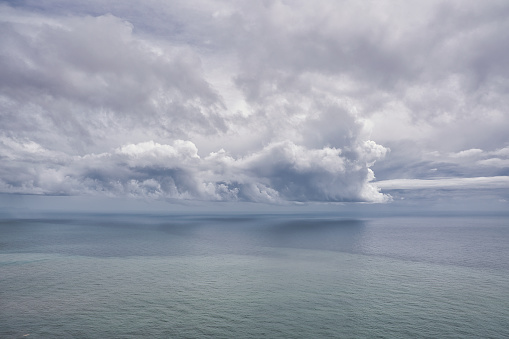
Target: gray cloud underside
{"x": 293, "y": 92}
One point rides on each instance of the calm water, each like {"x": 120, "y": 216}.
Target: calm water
{"x": 254, "y": 276}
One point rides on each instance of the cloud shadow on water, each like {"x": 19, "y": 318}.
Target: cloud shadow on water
{"x": 318, "y": 234}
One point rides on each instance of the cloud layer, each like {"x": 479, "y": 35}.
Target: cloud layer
{"x": 267, "y": 101}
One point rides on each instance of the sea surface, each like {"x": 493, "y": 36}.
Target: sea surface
{"x": 253, "y": 276}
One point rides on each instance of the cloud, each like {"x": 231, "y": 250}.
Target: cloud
{"x": 495, "y": 162}
{"x": 446, "y": 183}
{"x": 406, "y": 161}
{"x": 467, "y": 153}
{"x": 83, "y": 76}
{"x": 276, "y": 101}
{"x": 278, "y": 173}
{"x": 497, "y": 159}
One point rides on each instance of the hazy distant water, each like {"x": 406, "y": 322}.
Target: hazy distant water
{"x": 254, "y": 276}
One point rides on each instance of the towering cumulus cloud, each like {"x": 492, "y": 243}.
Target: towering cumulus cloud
{"x": 279, "y": 172}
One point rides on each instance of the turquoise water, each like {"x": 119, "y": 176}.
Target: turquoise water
{"x": 253, "y": 276}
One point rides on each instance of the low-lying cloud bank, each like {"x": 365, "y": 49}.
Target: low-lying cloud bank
{"x": 278, "y": 173}
{"x": 446, "y": 183}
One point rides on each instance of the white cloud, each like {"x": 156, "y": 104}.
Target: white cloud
{"x": 446, "y": 183}
{"x": 278, "y": 173}
{"x": 467, "y": 153}
{"x": 495, "y": 162}
{"x": 503, "y": 152}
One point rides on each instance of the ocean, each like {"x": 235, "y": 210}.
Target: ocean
{"x": 253, "y": 276}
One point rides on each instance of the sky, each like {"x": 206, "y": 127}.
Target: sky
{"x": 255, "y": 105}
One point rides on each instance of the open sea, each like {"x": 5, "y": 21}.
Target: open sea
{"x": 253, "y": 276}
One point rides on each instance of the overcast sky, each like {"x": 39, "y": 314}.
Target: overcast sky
{"x": 270, "y": 102}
